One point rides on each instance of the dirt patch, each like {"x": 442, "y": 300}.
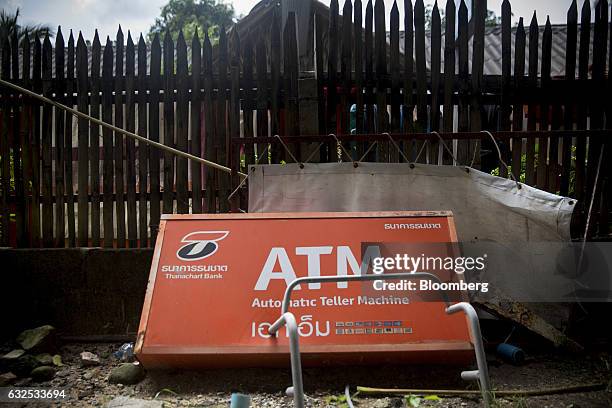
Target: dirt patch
{"x": 89, "y": 386}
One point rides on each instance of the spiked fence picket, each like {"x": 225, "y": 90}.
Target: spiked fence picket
{"x": 68, "y": 182}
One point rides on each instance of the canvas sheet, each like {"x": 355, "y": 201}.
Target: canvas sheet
{"x": 486, "y": 207}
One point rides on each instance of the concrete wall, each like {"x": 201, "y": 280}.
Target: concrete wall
{"x": 79, "y": 291}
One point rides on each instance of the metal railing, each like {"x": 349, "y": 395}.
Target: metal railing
{"x": 288, "y": 319}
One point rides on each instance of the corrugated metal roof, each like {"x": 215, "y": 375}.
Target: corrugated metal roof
{"x": 493, "y": 57}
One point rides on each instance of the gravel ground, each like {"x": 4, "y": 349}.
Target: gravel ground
{"x": 88, "y": 386}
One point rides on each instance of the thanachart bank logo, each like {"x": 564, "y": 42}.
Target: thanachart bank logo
{"x": 200, "y": 245}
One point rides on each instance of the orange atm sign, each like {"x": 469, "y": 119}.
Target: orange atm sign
{"x": 217, "y": 283}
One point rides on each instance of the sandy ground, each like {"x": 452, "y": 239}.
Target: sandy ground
{"x": 89, "y": 386}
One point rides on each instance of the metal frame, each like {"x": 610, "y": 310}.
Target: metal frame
{"x": 288, "y": 319}
{"x": 384, "y": 137}
{"x": 482, "y": 374}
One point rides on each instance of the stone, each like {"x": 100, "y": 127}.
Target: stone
{"x": 63, "y": 373}
{"x": 38, "y": 340}
{"x": 13, "y": 355}
{"x": 382, "y": 403}
{"x": 91, "y": 374}
{"x": 127, "y": 374}
{"x": 45, "y": 359}
{"x": 7, "y": 360}
{"x": 22, "y": 382}
{"x": 42, "y": 373}
{"x": 89, "y": 359}
{"x": 7, "y": 379}
{"x": 57, "y": 360}
{"x": 128, "y": 402}
{"x": 23, "y": 365}
{"x": 398, "y": 402}
{"x": 85, "y": 393}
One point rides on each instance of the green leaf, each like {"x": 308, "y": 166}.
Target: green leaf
{"x": 413, "y": 401}
{"x": 337, "y": 400}
{"x": 432, "y": 398}
{"x": 188, "y": 15}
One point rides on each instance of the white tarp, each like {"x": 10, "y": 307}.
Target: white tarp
{"x": 485, "y": 207}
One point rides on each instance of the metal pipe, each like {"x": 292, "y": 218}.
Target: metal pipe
{"x": 471, "y": 375}
{"x": 280, "y": 322}
{"x": 288, "y": 319}
{"x": 347, "y": 394}
{"x": 119, "y": 130}
{"x": 481, "y": 358}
